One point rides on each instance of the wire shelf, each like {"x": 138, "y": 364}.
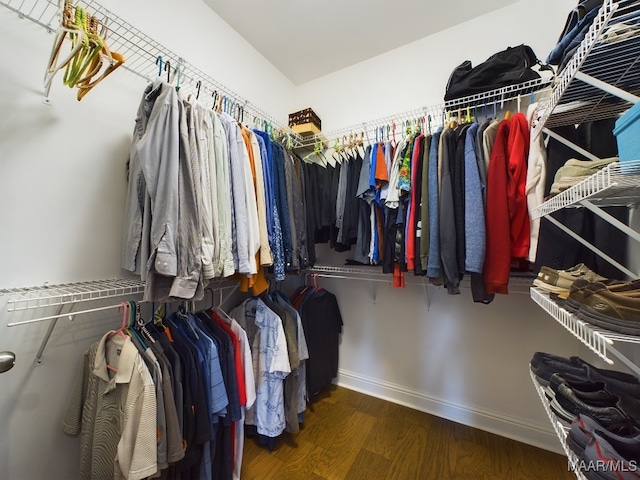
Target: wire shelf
{"x": 517, "y": 284}
{"x": 598, "y": 340}
{"x": 607, "y": 61}
{"x": 561, "y": 430}
{"x": 616, "y": 184}
{"x": 141, "y": 52}
{"x": 53, "y": 295}
{"x": 435, "y": 113}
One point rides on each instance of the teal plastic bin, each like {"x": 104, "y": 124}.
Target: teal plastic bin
{"x": 627, "y": 132}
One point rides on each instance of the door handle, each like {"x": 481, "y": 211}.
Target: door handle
{"x": 7, "y": 361}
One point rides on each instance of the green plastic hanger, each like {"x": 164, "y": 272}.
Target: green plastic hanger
{"x": 68, "y": 29}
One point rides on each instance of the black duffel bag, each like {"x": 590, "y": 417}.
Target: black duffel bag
{"x": 508, "y": 67}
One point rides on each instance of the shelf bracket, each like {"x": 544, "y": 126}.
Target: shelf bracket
{"x": 593, "y": 248}
{"x": 570, "y": 144}
{"x": 427, "y": 297}
{"x": 625, "y": 361}
{"x": 612, "y": 220}
{"x": 607, "y": 87}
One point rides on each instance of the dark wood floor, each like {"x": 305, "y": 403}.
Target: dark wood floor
{"x": 351, "y": 436}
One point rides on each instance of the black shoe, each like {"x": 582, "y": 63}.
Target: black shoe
{"x": 596, "y": 394}
{"x": 618, "y": 383}
{"x": 567, "y": 406}
{"x": 592, "y": 393}
{"x": 544, "y": 365}
{"x": 574, "y": 369}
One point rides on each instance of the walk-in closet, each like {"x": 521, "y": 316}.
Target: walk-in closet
{"x": 283, "y": 240}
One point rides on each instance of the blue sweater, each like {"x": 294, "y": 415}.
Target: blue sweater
{"x": 474, "y": 227}
{"x": 433, "y": 263}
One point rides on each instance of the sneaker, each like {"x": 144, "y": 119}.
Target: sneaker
{"x": 583, "y": 427}
{"x": 560, "y": 281}
{"x": 611, "y": 458}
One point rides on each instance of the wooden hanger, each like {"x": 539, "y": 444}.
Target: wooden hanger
{"x": 112, "y": 60}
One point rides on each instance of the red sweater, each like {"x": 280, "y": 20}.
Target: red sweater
{"x": 518, "y": 152}
{"x": 411, "y": 227}
{"x": 497, "y": 260}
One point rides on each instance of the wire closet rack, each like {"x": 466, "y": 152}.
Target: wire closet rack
{"x": 63, "y": 294}
{"x": 617, "y": 184}
{"x": 561, "y": 430}
{"x": 72, "y": 294}
{"x": 141, "y": 53}
{"x": 599, "y": 340}
{"x": 607, "y": 65}
{"x": 435, "y": 115}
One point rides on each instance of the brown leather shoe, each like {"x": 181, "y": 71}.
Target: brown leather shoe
{"x": 615, "y": 311}
{"x": 560, "y": 281}
{"x": 576, "y": 296}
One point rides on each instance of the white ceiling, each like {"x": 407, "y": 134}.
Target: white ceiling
{"x": 306, "y": 39}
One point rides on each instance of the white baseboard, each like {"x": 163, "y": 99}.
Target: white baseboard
{"x": 514, "y": 428}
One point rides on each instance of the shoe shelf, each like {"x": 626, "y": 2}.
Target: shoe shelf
{"x": 617, "y": 184}
{"x": 601, "y": 80}
{"x": 561, "y": 430}
{"x": 598, "y": 340}
{"x": 607, "y": 67}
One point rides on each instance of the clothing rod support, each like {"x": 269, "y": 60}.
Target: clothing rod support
{"x": 60, "y": 315}
{"x": 612, "y": 220}
{"x": 570, "y": 144}
{"x": 38, "y": 360}
{"x": 593, "y": 248}
{"x": 607, "y": 87}
{"x": 625, "y": 361}
{"x": 427, "y": 297}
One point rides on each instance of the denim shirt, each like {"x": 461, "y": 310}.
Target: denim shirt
{"x": 276, "y": 239}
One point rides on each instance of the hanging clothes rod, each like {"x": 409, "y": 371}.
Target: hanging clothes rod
{"x": 141, "y": 52}
{"x": 70, "y": 315}
{"x": 436, "y": 113}
{"x": 517, "y": 283}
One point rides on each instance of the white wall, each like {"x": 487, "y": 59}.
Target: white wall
{"x": 62, "y": 190}
{"x": 416, "y": 74}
